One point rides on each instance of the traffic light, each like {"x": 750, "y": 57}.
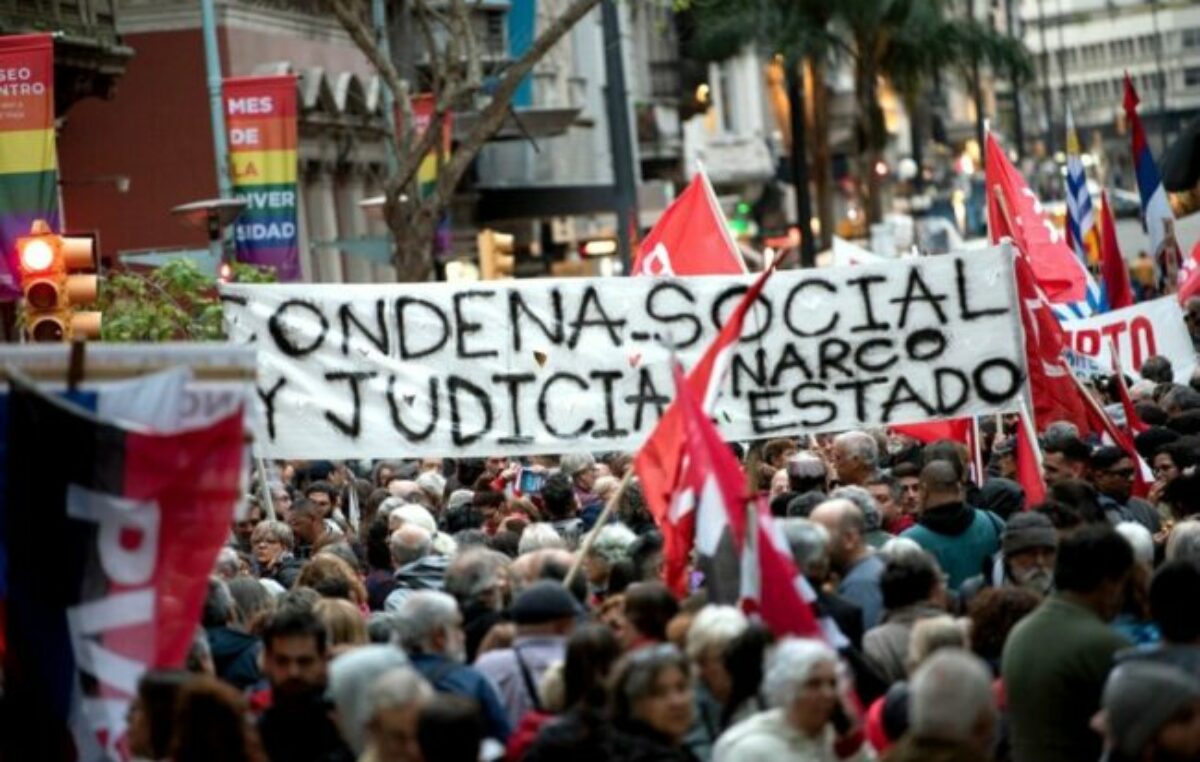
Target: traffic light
{"x": 45, "y": 262}
{"x": 496, "y": 258}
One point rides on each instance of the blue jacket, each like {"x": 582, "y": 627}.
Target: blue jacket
{"x": 449, "y": 676}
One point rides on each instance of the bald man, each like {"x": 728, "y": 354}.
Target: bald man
{"x": 852, "y": 558}
{"x": 963, "y": 539}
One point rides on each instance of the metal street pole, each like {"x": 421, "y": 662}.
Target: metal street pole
{"x": 1046, "y": 78}
{"x": 1162, "y": 79}
{"x": 216, "y": 108}
{"x": 1018, "y": 120}
{"x": 799, "y": 162}
{"x": 383, "y": 39}
{"x": 624, "y": 175}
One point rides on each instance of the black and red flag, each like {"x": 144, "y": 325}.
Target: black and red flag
{"x": 111, "y": 536}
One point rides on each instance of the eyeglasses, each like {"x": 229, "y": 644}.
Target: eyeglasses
{"x": 267, "y": 541}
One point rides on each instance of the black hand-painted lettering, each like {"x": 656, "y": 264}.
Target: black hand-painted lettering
{"x": 762, "y": 411}
{"x": 379, "y": 337}
{"x": 789, "y": 360}
{"x": 411, "y": 434}
{"x": 513, "y": 381}
{"x": 465, "y": 327}
{"x": 925, "y": 344}
{"x": 862, "y": 360}
{"x": 941, "y": 378}
{"x": 739, "y": 368}
{"x": 994, "y": 396}
{"x": 354, "y": 427}
{"x": 647, "y": 394}
{"x": 517, "y": 307}
{"x": 903, "y": 394}
{"x": 737, "y": 292}
{"x": 831, "y": 410}
{"x": 583, "y": 319}
{"x": 610, "y": 430}
{"x": 964, "y": 308}
{"x": 404, "y": 325}
{"x": 671, "y": 317}
{"x": 282, "y": 333}
{"x": 461, "y": 438}
{"x": 268, "y": 400}
{"x": 544, "y": 406}
{"x": 832, "y": 354}
{"x": 790, "y": 320}
{"x": 917, "y": 283}
{"x": 860, "y": 393}
{"x": 864, "y": 283}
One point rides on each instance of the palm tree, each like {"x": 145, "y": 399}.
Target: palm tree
{"x": 906, "y": 42}
{"x": 797, "y": 31}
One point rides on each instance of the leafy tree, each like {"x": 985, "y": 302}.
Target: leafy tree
{"x": 175, "y": 302}
{"x": 444, "y": 34}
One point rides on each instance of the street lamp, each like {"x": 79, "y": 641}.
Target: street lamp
{"x": 214, "y": 215}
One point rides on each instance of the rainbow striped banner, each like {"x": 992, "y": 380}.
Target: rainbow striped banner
{"x": 260, "y": 117}
{"x": 28, "y": 160}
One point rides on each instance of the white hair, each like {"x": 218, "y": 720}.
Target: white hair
{"x": 714, "y": 627}
{"x": 1142, "y": 391}
{"x": 865, "y": 503}
{"x": 612, "y": 542}
{"x": 349, "y": 676}
{"x": 409, "y": 543}
{"x": 1140, "y": 539}
{"x": 949, "y": 695}
{"x": 228, "y": 564}
{"x": 410, "y": 513}
{"x": 859, "y": 445}
{"x": 539, "y": 536}
{"x": 423, "y": 614}
{"x": 808, "y": 540}
{"x": 900, "y": 547}
{"x": 396, "y": 689}
{"x": 432, "y": 484}
{"x": 390, "y": 504}
{"x": 790, "y": 666}
{"x": 1184, "y": 542}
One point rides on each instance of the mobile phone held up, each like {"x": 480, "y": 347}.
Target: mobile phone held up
{"x": 530, "y": 482}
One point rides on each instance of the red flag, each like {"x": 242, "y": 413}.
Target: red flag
{"x": 956, "y": 429}
{"x": 691, "y": 238}
{"x": 1100, "y": 421}
{"x": 1113, "y": 270}
{"x": 1029, "y": 463}
{"x": 1050, "y": 384}
{"x": 1190, "y": 287}
{"x": 1133, "y": 422}
{"x": 658, "y": 462}
{"x": 713, "y": 495}
{"x": 1014, "y": 212}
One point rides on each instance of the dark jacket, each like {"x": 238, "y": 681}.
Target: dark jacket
{"x": 635, "y": 742}
{"x": 379, "y": 583}
{"x": 448, "y": 676}
{"x": 913, "y": 749}
{"x": 579, "y": 735}
{"x": 844, "y": 612}
{"x": 299, "y": 729}
{"x": 285, "y": 571}
{"x": 235, "y": 656}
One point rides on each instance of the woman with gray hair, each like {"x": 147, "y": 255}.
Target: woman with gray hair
{"x": 801, "y": 686}
{"x": 610, "y": 547}
{"x": 350, "y": 675}
{"x": 651, "y": 706}
{"x": 391, "y": 709}
{"x": 271, "y": 543}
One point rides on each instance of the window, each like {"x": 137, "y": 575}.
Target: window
{"x": 1191, "y": 38}
{"x": 1191, "y": 77}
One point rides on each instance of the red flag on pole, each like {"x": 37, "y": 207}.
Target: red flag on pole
{"x": 1015, "y": 212}
{"x": 1113, "y": 270}
{"x": 1100, "y": 421}
{"x": 956, "y": 429}
{"x": 1050, "y": 382}
{"x": 658, "y": 462}
{"x": 691, "y": 238}
{"x": 1029, "y": 462}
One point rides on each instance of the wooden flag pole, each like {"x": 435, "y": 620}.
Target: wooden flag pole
{"x": 590, "y": 538}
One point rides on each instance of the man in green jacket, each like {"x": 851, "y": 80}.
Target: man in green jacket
{"x": 1057, "y": 659}
{"x": 961, "y": 538}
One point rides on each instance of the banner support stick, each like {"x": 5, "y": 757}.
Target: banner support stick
{"x": 266, "y": 490}
{"x": 586, "y": 545}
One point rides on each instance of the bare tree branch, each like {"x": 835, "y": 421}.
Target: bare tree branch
{"x": 349, "y": 13}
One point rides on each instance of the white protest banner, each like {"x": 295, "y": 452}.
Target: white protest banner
{"x": 847, "y": 254}
{"x": 1150, "y": 328}
{"x": 551, "y": 366}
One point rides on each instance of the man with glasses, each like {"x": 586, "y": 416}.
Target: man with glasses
{"x": 1112, "y": 472}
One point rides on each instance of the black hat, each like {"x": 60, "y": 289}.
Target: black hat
{"x": 544, "y": 601}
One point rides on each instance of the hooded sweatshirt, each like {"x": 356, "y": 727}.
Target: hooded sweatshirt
{"x": 962, "y": 539}
{"x": 235, "y": 656}
{"x": 426, "y": 573}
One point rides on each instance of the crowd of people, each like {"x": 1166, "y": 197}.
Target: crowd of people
{"x": 397, "y": 611}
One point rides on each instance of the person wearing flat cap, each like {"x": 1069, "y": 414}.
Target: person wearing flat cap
{"x": 544, "y": 613}
{"x": 1028, "y": 547}
{"x": 1151, "y": 713}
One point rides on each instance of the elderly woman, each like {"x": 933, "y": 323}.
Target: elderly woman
{"x": 801, "y": 686}
{"x": 271, "y": 543}
{"x": 709, "y": 635}
{"x": 652, "y": 706}
{"x": 611, "y": 546}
